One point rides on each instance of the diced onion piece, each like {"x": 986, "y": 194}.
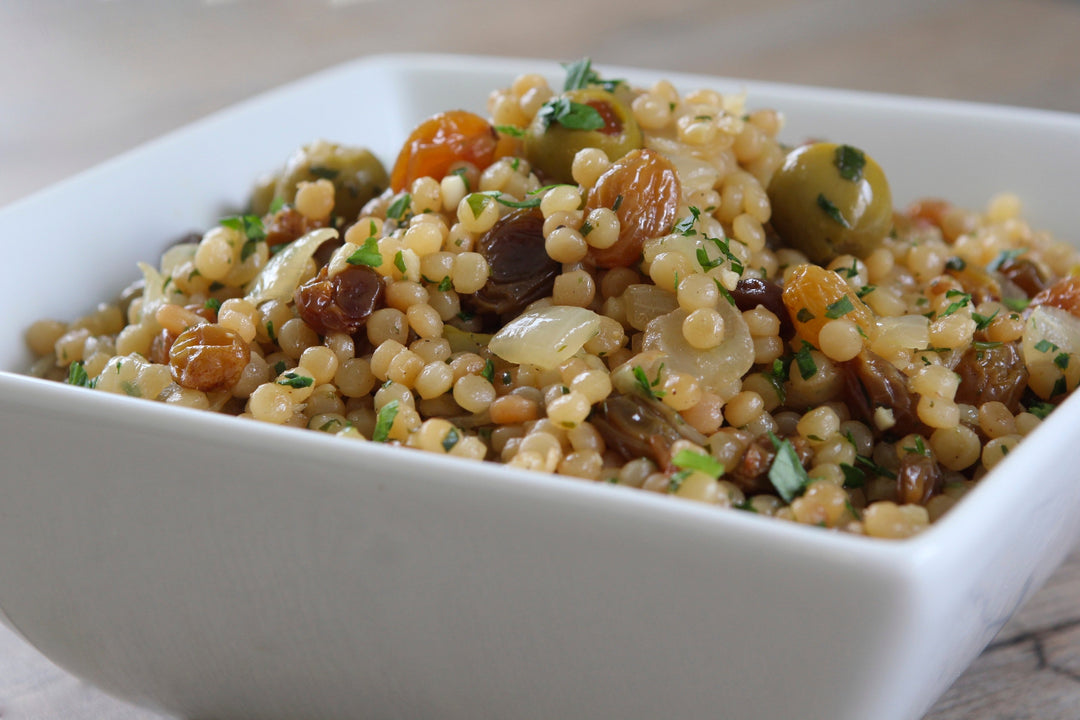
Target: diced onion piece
{"x": 545, "y": 337}
{"x": 1051, "y": 344}
{"x": 154, "y": 294}
{"x": 278, "y": 280}
{"x": 646, "y": 302}
{"x": 717, "y": 367}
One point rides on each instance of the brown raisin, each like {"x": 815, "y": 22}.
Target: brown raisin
{"x": 520, "y": 269}
{"x": 208, "y": 357}
{"x": 342, "y": 303}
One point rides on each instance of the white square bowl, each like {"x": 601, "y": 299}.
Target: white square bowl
{"x": 214, "y": 567}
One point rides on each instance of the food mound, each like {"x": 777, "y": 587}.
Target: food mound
{"x": 625, "y": 285}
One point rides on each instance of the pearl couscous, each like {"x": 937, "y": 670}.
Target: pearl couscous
{"x": 635, "y": 286}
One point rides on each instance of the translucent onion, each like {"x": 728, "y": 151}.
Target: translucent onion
{"x": 716, "y": 367}
{"x": 545, "y": 337}
{"x": 1051, "y": 343}
{"x": 278, "y": 280}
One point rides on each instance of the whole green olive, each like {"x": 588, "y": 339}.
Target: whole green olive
{"x": 560, "y": 130}
{"x": 356, "y": 173}
{"x": 829, "y": 200}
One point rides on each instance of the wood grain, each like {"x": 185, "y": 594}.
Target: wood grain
{"x": 80, "y": 82}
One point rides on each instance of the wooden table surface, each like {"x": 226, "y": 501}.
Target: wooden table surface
{"x": 82, "y": 81}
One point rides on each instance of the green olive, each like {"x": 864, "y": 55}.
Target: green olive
{"x": 829, "y": 200}
{"x": 551, "y": 144}
{"x": 356, "y": 173}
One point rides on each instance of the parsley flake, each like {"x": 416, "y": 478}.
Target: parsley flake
{"x": 399, "y": 261}
{"x": 295, "y": 380}
{"x": 488, "y": 373}
{"x": 399, "y": 208}
{"x": 570, "y": 114}
{"x": 1041, "y": 409}
{"x": 77, "y": 375}
{"x": 850, "y": 162}
{"x": 805, "y": 362}
{"x": 832, "y": 211}
{"x": 690, "y": 460}
{"x": 368, "y": 254}
{"x": 804, "y": 315}
{"x": 786, "y": 473}
{"x": 451, "y": 439}
{"x": 839, "y": 308}
{"x": 647, "y": 388}
{"x": 384, "y": 420}
{"x": 510, "y": 130}
{"x": 212, "y": 304}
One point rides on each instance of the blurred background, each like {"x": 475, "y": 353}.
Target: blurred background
{"x": 82, "y": 80}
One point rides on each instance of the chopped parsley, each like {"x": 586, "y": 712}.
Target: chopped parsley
{"x": 1017, "y": 304}
{"x": 983, "y": 321}
{"x": 676, "y": 481}
{"x": 875, "y": 468}
{"x": 685, "y": 226}
{"x": 850, "y": 162}
{"x": 277, "y": 205}
{"x": 1062, "y": 360}
{"x": 839, "y": 308}
{"x": 853, "y": 477}
{"x": 384, "y": 420}
{"x": 445, "y": 284}
{"x": 920, "y": 447}
{"x": 690, "y": 460}
{"x": 865, "y": 290}
{"x": 77, "y": 375}
{"x": 461, "y": 172}
{"x": 451, "y": 439}
{"x": 960, "y": 299}
{"x": 724, "y": 292}
{"x": 270, "y": 331}
{"x": 786, "y": 473}
{"x": 488, "y": 373}
{"x": 617, "y": 204}
{"x": 1045, "y": 345}
{"x": 252, "y": 228}
{"x": 1060, "y": 387}
{"x": 648, "y": 388}
{"x": 510, "y": 130}
{"x": 368, "y": 254}
{"x": 955, "y": 263}
{"x": 399, "y": 261}
{"x": 295, "y": 380}
{"x": 1041, "y": 409}
{"x": 805, "y": 362}
{"x": 570, "y": 114}
{"x": 280, "y": 367}
{"x": 399, "y": 208}
{"x": 581, "y": 75}
{"x": 832, "y": 211}
{"x": 804, "y": 315}
{"x": 1005, "y": 256}
{"x": 212, "y": 304}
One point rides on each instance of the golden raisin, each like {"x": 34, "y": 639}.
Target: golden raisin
{"x": 643, "y": 189}
{"x": 814, "y": 295}
{"x": 163, "y": 341}
{"x": 1064, "y": 295}
{"x": 208, "y": 357}
{"x": 442, "y": 141}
